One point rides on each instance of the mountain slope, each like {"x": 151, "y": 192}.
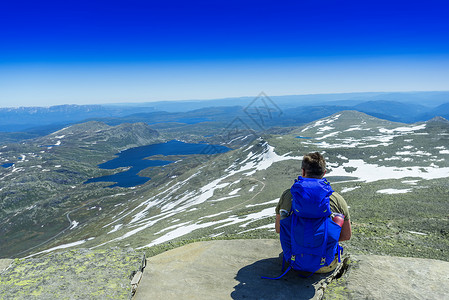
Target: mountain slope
{"x": 235, "y": 193}
{"x": 43, "y": 178}
{"x": 392, "y": 175}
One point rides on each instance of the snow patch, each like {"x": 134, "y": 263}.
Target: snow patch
{"x": 265, "y": 213}
{"x": 215, "y": 215}
{"x": 267, "y": 158}
{"x": 234, "y": 192}
{"x": 354, "y": 127}
{"x": 403, "y": 129}
{"x": 348, "y": 189}
{"x": 416, "y": 153}
{"x": 372, "y": 172}
{"x": 178, "y": 232}
{"x": 216, "y": 234}
{"x": 172, "y": 227}
{"x": 73, "y": 224}
{"x": 321, "y": 122}
{"x": 394, "y": 191}
{"x": 59, "y": 131}
{"x": 324, "y": 128}
{"x": 328, "y": 135}
{"x": 411, "y": 182}
{"x": 416, "y": 232}
{"x": 186, "y": 229}
{"x": 342, "y": 157}
{"x": 61, "y": 247}
{"x": 116, "y": 227}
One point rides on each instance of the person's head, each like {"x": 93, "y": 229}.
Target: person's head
{"x": 313, "y": 165}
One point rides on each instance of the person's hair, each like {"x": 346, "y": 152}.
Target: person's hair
{"x": 314, "y": 165}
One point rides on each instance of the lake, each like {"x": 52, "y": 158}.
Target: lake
{"x": 135, "y": 158}
{"x": 7, "y": 165}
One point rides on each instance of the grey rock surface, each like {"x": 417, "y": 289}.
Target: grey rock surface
{"x": 231, "y": 269}
{"x": 223, "y": 269}
{"x": 73, "y": 274}
{"x": 389, "y": 277}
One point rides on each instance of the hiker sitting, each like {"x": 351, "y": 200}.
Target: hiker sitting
{"x": 311, "y": 197}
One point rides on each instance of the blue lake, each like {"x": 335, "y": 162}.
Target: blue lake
{"x": 8, "y": 165}
{"x": 303, "y": 137}
{"x": 135, "y": 158}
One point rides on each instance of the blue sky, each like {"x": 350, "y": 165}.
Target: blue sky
{"x": 86, "y": 52}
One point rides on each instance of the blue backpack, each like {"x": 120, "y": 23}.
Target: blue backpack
{"x": 309, "y": 237}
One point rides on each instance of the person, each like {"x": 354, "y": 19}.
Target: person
{"x": 314, "y": 166}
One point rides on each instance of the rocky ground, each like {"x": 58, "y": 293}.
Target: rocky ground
{"x": 391, "y": 277}
{"x": 232, "y": 269}
{"x": 74, "y": 274}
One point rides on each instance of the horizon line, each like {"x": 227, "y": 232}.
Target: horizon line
{"x": 223, "y": 98}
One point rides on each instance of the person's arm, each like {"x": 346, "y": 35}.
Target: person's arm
{"x": 346, "y": 231}
{"x": 339, "y": 205}
{"x": 277, "y": 225}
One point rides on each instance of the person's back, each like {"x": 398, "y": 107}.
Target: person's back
{"x": 303, "y": 218}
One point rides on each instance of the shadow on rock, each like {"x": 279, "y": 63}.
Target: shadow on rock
{"x": 291, "y": 286}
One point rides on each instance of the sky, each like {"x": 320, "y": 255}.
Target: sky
{"x": 94, "y": 52}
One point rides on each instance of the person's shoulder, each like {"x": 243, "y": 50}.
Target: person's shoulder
{"x": 285, "y": 201}
{"x": 336, "y": 196}
{"x": 286, "y": 193}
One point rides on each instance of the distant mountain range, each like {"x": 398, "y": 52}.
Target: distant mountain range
{"x": 28, "y": 118}
{"x": 28, "y": 122}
